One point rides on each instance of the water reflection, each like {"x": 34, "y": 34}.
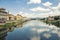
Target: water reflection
{"x": 5, "y": 30}
{"x": 11, "y": 29}
{"x": 3, "y": 33}
{"x": 32, "y": 30}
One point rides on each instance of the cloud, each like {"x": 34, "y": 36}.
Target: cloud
{"x": 57, "y": 7}
{"x": 40, "y": 9}
{"x": 47, "y": 4}
{"x": 25, "y": 14}
{"x": 33, "y": 15}
{"x": 34, "y": 2}
{"x": 42, "y": 12}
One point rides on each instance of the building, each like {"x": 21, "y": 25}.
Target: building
{"x": 50, "y": 18}
{"x": 18, "y": 17}
{"x": 10, "y": 17}
{"x": 3, "y": 15}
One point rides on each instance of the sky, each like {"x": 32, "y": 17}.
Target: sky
{"x": 32, "y": 8}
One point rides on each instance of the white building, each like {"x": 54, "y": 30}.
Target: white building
{"x": 3, "y": 14}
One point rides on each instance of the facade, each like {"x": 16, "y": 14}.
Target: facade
{"x": 50, "y": 18}
{"x": 3, "y": 15}
{"x": 10, "y": 17}
{"x": 18, "y": 17}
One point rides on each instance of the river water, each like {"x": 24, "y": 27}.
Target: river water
{"x": 31, "y": 30}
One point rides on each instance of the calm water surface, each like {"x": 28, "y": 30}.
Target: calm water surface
{"x": 31, "y": 30}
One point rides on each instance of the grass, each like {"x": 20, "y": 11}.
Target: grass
{"x": 2, "y": 25}
{"x": 9, "y": 24}
{"x": 12, "y": 24}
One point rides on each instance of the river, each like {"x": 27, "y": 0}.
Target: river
{"x": 31, "y": 30}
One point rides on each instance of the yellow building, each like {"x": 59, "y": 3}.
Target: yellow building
{"x": 6, "y": 16}
{"x": 18, "y": 17}
{"x": 10, "y": 17}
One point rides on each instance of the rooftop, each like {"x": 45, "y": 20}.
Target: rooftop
{"x": 2, "y": 9}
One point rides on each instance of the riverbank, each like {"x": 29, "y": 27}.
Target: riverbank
{"x": 12, "y": 23}
{"x": 34, "y": 29}
{"x": 55, "y": 22}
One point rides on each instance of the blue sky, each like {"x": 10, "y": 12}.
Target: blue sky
{"x": 30, "y": 8}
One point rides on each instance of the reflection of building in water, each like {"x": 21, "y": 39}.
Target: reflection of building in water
{"x": 11, "y": 29}
{"x": 3, "y": 33}
{"x": 18, "y": 26}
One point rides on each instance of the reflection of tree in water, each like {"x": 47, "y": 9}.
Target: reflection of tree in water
{"x": 49, "y": 36}
{"x": 3, "y": 33}
{"x": 4, "y": 30}
{"x": 18, "y": 25}
{"x": 11, "y": 29}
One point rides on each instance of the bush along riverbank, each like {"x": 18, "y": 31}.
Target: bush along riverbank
{"x": 12, "y": 23}
{"x": 56, "y": 22}
{"x": 9, "y": 24}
